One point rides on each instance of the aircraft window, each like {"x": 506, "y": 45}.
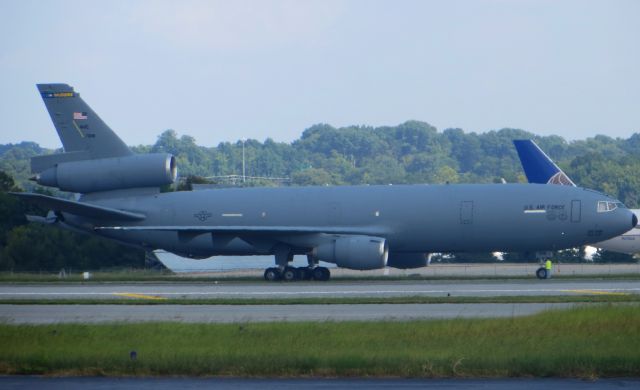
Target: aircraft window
{"x": 621, "y": 205}
{"x": 604, "y": 206}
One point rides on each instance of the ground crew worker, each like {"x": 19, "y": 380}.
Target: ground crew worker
{"x": 548, "y": 265}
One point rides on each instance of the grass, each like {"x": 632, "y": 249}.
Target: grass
{"x": 588, "y": 342}
{"x": 418, "y": 299}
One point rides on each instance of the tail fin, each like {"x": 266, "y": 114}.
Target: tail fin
{"x": 538, "y": 167}
{"x": 83, "y": 134}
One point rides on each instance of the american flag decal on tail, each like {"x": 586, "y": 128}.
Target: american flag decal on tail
{"x": 79, "y": 115}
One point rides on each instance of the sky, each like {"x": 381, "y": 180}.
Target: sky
{"x": 226, "y": 70}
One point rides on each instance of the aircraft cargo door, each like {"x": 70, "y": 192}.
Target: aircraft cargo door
{"x": 466, "y": 212}
{"x": 576, "y": 210}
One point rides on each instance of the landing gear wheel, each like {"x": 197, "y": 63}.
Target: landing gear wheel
{"x": 541, "y": 273}
{"x": 272, "y": 274}
{"x": 321, "y": 274}
{"x": 290, "y": 274}
{"x": 304, "y": 273}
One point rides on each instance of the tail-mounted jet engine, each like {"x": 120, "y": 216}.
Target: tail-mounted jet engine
{"x": 107, "y": 174}
{"x": 354, "y": 252}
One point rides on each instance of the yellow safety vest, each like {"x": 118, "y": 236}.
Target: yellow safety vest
{"x": 548, "y": 264}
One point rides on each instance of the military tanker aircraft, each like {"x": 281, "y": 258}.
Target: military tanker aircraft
{"x": 358, "y": 227}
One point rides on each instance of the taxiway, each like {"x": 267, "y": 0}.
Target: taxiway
{"x": 51, "y": 314}
{"x": 488, "y": 288}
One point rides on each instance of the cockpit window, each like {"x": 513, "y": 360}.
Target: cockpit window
{"x": 605, "y": 206}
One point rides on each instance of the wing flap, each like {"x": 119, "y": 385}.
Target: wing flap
{"x": 78, "y": 208}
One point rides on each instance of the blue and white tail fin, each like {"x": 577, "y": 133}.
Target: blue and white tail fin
{"x": 538, "y": 167}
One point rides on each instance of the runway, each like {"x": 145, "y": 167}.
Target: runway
{"x": 51, "y": 314}
{"x": 258, "y": 290}
{"x": 41, "y": 314}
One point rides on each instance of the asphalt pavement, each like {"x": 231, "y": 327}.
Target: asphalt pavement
{"x": 488, "y": 288}
{"x": 51, "y": 314}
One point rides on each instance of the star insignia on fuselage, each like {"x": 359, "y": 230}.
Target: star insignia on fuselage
{"x": 202, "y": 215}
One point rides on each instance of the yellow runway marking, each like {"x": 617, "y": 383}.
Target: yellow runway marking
{"x": 141, "y": 296}
{"x": 596, "y": 292}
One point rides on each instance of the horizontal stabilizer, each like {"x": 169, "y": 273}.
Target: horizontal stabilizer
{"x": 42, "y": 163}
{"x": 39, "y": 219}
{"x": 254, "y": 229}
{"x": 77, "y": 208}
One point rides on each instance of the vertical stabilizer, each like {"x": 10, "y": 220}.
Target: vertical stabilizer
{"x": 83, "y": 134}
{"x": 539, "y": 167}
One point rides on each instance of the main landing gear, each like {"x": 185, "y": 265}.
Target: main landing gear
{"x": 289, "y": 274}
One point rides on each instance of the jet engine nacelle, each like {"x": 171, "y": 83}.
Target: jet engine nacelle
{"x": 141, "y": 170}
{"x": 407, "y": 260}
{"x": 354, "y": 252}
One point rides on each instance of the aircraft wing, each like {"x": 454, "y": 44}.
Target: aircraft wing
{"x": 368, "y": 230}
{"x": 78, "y": 208}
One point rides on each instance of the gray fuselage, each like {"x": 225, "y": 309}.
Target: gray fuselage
{"x": 412, "y": 218}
